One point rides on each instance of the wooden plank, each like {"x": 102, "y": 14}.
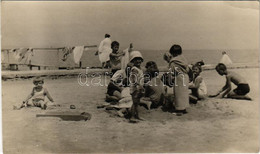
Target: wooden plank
{"x": 34, "y": 73}
{"x": 67, "y": 116}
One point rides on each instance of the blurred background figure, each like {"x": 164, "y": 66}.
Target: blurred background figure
{"x": 225, "y": 59}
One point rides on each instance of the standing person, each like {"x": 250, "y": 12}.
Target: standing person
{"x": 115, "y": 57}
{"x": 179, "y": 67}
{"x": 136, "y": 84}
{"x": 225, "y": 59}
{"x": 104, "y": 50}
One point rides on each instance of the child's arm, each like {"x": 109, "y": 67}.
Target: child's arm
{"x": 48, "y": 95}
{"x": 196, "y": 84}
{"x": 27, "y": 98}
{"x": 130, "y": 47}
{"x": 227, "y": 87}
{"x": 117, "y": 54}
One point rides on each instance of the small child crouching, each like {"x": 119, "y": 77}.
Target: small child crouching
{"x": 197, "y": 86}
{"x": 38, "y": 95}
{"x": 231, "y": 77}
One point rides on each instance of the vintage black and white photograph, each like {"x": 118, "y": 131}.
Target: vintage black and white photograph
{"x": 130, "y": 76}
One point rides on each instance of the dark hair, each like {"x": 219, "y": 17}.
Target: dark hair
{"x": 221, "y": 66}
{"x": 176, "y": 50}
{"x": 107, "y": 35}
{"x": 152, "y": 69}
{"x": 114, "y": 43}
{"x": 37, "y": 80}
{"x": 198, "y": 66}
{"x": 150, "y": 63}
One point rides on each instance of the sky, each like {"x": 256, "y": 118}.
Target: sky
{"x": 148, "y": 25}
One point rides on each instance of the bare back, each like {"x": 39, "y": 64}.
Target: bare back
{"x": 236, "y": 78}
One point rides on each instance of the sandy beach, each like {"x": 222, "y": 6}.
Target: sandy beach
{"x": 212, "y": 125}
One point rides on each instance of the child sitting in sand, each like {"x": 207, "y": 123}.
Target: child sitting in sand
{"x": 232, "y": 77}
{"x": 114, "y": 87}
{"x": 154, "y": 88}
{"x": 197, "y": 86}
{"x": 126, "y": 102}
{"x": 38, "y": 95}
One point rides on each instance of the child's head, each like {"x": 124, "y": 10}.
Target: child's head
{"x": 176, "y": 50}
{"x": 150, "y": 64}
{"x": 136, "y": 58}
{"x": 107, "y": 36}
{"x": 224, "y": 52}
{"x": 114, "y": 46}
{"x": 167, "y": 57}
{"x": 196, "y": 69}
{"x": 38, "y": 81}
{"x": 221, "y": 69}
{"x": 152, "y": 69}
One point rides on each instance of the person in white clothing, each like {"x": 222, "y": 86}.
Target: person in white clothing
{"x": 225, "y": 59}
{"x": 104, "y": 51}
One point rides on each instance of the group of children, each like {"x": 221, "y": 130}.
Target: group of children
{"x": 129, "y": 86}
{"x": 188, "y": 84}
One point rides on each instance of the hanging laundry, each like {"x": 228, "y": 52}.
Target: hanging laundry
{"x": 78, "y": 51}
{"x": 66, "y": 52}
{"x": 28, "y": 56}
{"x": 20, "y": 54}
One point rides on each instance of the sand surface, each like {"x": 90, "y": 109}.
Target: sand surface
{"x": 213, "y": 125}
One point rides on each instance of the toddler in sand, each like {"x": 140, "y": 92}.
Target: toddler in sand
{"x": 154, "y": 88}
{"x": 232, "y": 77}
{"x": 38, "y": 95}
{"x": 197, "y": 86}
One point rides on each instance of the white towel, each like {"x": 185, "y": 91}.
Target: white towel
{"x": 125, "y": 59}
{"x": 78, "y": 51}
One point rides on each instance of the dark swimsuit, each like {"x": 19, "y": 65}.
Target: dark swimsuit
{"x": 242, "y": 89}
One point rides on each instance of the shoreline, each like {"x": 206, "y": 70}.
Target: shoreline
{"x": 6, "y": 75}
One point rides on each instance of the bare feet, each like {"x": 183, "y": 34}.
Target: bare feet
{"x": 44, "y": 107}
{"x": 140, "y": 118}
{"x": 120, "y": 114}
{"x": 148, "y": 104}
{"x": 133, "y": 120}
